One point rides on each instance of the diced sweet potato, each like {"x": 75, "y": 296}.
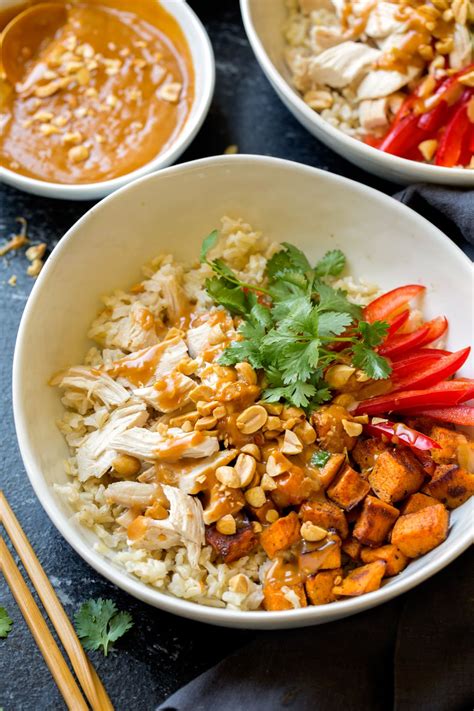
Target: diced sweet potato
{"x": 396, "y": 560}
{"x": 348, "y": 488}
{"x": 330, "y": 431}
{"x": 274, "y": 596}
{"x": 281, "y": 534}
{"x": 319, "y": 587}
{"x": 325, "y": 514}
{"x": 366, "y": 452}
{"x": 330, "y": 469}
{"x": 426, "y": 461}
{"x": 233, "y": 547}
{"x": 362, "y": 580}
{"x": 416, "y": 502}
{"x": 449, "y": 441}
{"x": 321, "y": 556}
{"x": 260, "y": 514}
{"x": 293, "y": 487}
{"x": 417, "y": 533}
{"x": 352, "y": 548}
{"x": 396, "y": 474}
{"x": 375, "y": 521}
{"x": 451, "y": 485}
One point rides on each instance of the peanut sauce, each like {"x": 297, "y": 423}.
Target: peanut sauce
{"x": 110, "y": 92}
{"x": 139, "y": 367}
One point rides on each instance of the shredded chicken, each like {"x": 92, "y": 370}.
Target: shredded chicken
{"x": 95, "y": 383}
{"x": 96, "y": 453}
{"x": 131, "y": 493}
{"x": 373, "y": 114}
{"x": 383, "y": 82}
{"x": 146, "y": 444}
{"x": 168, "y": 395}
{"x": 341, "y": 65}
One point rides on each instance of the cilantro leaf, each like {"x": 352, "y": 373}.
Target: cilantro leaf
{"x": 278, "y": 263}
{"x": 223, "y": 292}
{"x": 332, "y": 323}
{"x": 98, "y": 624}
{"x": 372, "y": 333}
{"x": 331, "y": 264}
{"x": 320, "y": 459}
{"x": 298, "y": 361}
{"x": 298, "y": 394}
{"x": 373, "y": 364}
{"x": 335, "y": 300}
{"x": 5, "y": 623}
{"x": 297, "y": 257}
{"x": 208, "y": 243}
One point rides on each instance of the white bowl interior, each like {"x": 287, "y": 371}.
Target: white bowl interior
{"x": 204, "y": 75}
{"x": 172, "y": 211}
{"x": 264, "y": 21}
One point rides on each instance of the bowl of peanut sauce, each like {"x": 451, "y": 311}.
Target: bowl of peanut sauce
{"x": 117, "y": 91}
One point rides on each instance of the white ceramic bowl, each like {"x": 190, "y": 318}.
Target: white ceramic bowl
{"x": 263, "y": 21}
{"x": 204, "y": 70}
{"x": 171, "y": 211}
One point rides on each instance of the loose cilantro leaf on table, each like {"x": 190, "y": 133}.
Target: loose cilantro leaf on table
{"x": 320, "y": 459}
{"x": 290, "y": 325}
{"x": 5, "y": 623}
{"x": 99, "y": 624}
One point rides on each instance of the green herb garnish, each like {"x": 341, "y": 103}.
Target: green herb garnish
{"x": 320, "y": 459}
{"x": 5, "y": 623}
{"x": 290, "y": 326}
{"x": 99, "y": 624}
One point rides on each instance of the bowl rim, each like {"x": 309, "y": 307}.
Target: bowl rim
{"x": 106, "y": 567}
{"x": 198, "y": 112}
{"x": 428, "y": 171}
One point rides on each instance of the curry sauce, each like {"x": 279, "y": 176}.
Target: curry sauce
{"x": 108, "y": 93}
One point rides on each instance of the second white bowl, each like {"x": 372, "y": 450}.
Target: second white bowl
{"x": 263, "y": 21}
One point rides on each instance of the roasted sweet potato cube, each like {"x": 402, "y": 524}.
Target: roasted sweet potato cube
{"x": 366, "y": 452}
{"x": 281, "y": 534}
{"x": 417, "y": 533}
{"x": 325, "y": 514}
{"x": 451, "y": 485}
{"x": 426, "y": 461}
{"x": 416, "y": 502}
{"x": 362, "y": 580}
{"x": 278, "y": 596}
{"x": 396, "y": 474}
{"x": 261, "y": 513}
{"x": 319, "y": 587}
{"x": 352, "y": 548}
{"x": 233, "y": 547}
{"x": 449, "y": 441}
{"x": 375, "y": 521}
{"x": 348, "y": 488}
{"x": 325, "y": 555}
{"x": 330, "y": 469}
{"x": 292, "y": 488}
{"x": 396, "y": 560}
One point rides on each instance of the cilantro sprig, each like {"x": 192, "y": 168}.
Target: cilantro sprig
{"x": 5, "y": 623}
{"x": 99, "y": 624}
{"x": 289, "y": 328}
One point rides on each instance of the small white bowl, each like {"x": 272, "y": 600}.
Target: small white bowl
{"x": 171, "y": 211}
{"x": 263, "y": 21}
{"x": 204, "y": 71}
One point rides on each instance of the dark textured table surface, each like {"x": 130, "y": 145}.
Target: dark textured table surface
{"x": 161, "y": 652}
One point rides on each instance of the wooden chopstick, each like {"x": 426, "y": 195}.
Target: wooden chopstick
{"x": 85, "y": 672}
{"x": 40, "y": 631}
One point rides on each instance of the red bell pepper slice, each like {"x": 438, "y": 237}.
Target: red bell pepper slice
{"x": 402, "y": 137}
{"x": 414, "y": 361}
{"x": 443, "y": 368}
{"x": 382, "y": 307}
{"x": 431, "y": 121}
{"x": 403, "y": 343}
{"x": 451, "y": 143}
{"x": 396, "y": 322}
{"x": 426, "y": 333}
{"x": 398, "y": 432}
{"x": 453, "y": 392}
{"x": 460, "y": 415}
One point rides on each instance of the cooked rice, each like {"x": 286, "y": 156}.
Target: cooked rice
{"x": 170, "y": 571}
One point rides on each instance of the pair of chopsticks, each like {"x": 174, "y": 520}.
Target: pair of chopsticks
{"x": 85, "y": 672}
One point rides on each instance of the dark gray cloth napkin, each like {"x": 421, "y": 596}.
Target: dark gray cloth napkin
{"x": 455, "y": 207}
{"x": 414, "y": 653}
